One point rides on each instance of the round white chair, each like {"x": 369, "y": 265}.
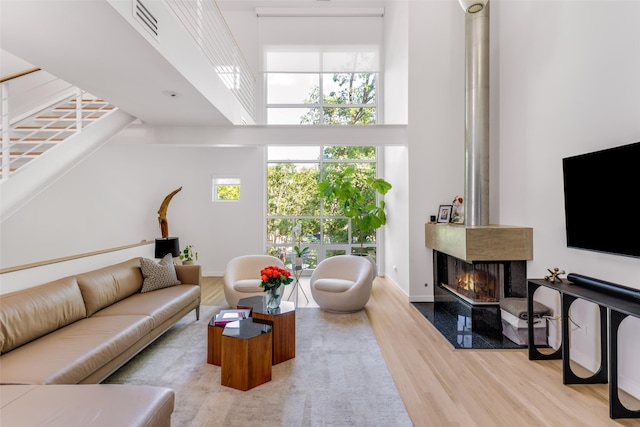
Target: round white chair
{"x": 342, "y": 283}
{"x": 242, "y": 276}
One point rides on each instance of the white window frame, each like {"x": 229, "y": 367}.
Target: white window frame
{"x": 217, "y": 182}
{"x": 321, "y": 72}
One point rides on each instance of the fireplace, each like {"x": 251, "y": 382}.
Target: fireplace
{"x": 480, "y": 282}
{"x": 478, "y": 263}
{"x": 474, "y": 289}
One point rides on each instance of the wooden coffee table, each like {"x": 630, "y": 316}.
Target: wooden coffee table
{"x": 283, "y": 321}
{"x": 246, "y": 354}
{"x": 214, "y": 342}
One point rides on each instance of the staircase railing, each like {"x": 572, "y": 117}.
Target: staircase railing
{"x": 208, "y": 29}
{"x": 39, "y": 113}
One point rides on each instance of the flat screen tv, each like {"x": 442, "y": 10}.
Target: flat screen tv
{"x": 601, "y": 192}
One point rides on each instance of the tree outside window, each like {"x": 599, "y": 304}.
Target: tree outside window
{"x": 293, "y": 198}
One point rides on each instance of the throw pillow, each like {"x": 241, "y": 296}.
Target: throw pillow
{"x": 158, "y": 275}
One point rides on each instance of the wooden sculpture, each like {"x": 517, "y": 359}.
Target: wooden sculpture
{"x": 162, "y": 213}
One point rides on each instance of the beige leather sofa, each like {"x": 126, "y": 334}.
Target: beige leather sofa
{"x": 80, "y": 329}
{"x": 94, "y": 405}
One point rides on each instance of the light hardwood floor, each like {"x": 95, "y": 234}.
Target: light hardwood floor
{"x": 443, "y": 386}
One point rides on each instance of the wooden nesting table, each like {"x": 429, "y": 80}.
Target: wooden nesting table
{"x": 283, "y": 321}
{"x": 246, "y": 354}
{"x": 266, "y": 338}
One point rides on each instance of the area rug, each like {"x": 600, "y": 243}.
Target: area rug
{"x": 338, "y": 377}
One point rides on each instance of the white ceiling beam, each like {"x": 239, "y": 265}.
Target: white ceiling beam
{"x": 319, "y": 12}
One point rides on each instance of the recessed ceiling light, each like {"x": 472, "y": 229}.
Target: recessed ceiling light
{"x": 170, "y": 93}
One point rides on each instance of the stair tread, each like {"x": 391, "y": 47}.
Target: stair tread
{"x": 83, "y": 108}
{"x": 51, "y": 126}
{"x": 44, "y": 128}
{"x": 64, "y": 118}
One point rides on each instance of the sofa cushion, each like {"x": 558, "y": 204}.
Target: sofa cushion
{"x": 30, "y": 313}
{"x": 160, "y": 305}
{"x": 70, "y": 354}
{"x": 105, "y": 286}
{"x": 158, "y": 275}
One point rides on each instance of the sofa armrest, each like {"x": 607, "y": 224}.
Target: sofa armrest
{"x": 189, "y": 274}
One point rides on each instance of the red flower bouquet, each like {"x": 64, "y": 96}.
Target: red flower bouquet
{"x": 273, "y": 277}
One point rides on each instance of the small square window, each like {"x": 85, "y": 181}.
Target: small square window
{"x": 225, "y": 189}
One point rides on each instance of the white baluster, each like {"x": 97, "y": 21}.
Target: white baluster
{"x": 78, "y": 110}
{"x": 4, "y": 110}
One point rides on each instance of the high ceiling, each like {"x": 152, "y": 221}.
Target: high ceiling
{"x": 89, "y": 44}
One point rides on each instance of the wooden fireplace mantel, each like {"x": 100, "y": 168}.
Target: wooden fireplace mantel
{"x": 481, "y": 243}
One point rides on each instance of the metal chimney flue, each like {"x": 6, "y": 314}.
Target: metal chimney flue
{"x": 476, "y": 200}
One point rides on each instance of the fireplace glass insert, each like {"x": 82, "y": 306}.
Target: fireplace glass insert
{"x": 477, "y": 283}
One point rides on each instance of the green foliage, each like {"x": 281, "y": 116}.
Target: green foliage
{"x": 354, "y": 88}
{"x": 293, "y": 200}
{"x": 291, "y": 190}
{"x": 228, "y": 192}
{"x": 352, "y": 192}
{"x": 189, "y": 254}
{"x": 301, "y": 252}
{"x": 349, "y": 152}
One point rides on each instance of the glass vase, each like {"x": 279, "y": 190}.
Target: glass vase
{"x": 273, "y": 297}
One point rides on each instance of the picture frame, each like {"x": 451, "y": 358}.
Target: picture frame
{"x": 444, "y": 213}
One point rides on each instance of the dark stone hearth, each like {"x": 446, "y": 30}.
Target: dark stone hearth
{"x": 459, "y": 328}
{"x": 468, "y": 322}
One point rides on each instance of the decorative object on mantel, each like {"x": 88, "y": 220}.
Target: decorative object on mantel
{"x": 166, "y": 244}
{"x": 555, "y": 275}
{"x": 272, "y": 278}
{"x": 457, "y": 212}
{"x": 189, "y": 255}
{"x": 444, "y": 214}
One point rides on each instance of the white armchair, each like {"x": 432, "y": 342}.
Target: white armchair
{"x": 342, "y": 283}
{"x": 242, "y": 276}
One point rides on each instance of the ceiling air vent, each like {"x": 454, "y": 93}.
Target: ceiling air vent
{"x": 144, "y": 17}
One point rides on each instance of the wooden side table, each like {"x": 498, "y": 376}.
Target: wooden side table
{"x": 283, "y": 321}
{"x": 296, "y": 272}
{"x": 246, "y": 354}
{"x": 214, "y": 343}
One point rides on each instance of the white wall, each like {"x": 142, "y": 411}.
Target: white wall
{"x": 395, "y": 95}
{"x": 436, "y": 126}
{"x": 396, "y": 233}
{"x": 112, "y": 198}
{"x": 26, "y": 278}
{"x": 568, "y": 84}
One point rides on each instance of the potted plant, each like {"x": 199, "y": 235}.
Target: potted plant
{"x": 299, "y": 251}
{"x": 188, "y": 255}
{"x": 357, "y": 197}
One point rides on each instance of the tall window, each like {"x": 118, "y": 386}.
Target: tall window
{"x": 322, "y": 87}
{"x": 293, "y": 198}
